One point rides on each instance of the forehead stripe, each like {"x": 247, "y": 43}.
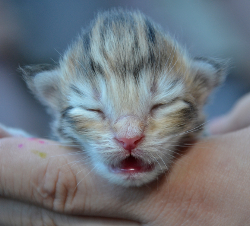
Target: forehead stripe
{"x": 150, "y": 32}
{"x": 76, "y": 90}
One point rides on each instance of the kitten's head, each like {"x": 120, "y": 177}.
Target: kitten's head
{"x": 127, "y": 94}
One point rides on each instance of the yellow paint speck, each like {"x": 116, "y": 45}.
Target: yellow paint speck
{"x": 39, "y": 153}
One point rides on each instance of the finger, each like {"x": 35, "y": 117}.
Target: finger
{"x": 3, "y": 132}
{"x": 238, "y": 118}
{"x": 221, "y": 125}
{"x": 40, "y": 172}
{"x": 12, "y": 132}
{"x": 18, "y": 213}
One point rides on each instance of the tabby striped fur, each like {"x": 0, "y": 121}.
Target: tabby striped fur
{"x": 120, "y": 78}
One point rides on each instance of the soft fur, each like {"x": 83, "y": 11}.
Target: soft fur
{"x": 124, "y": 77}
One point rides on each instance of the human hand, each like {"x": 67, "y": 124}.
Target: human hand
{"x": 35, "y": 178}
{"x": 237, "y": 118}
{"x": 207, "y": 186}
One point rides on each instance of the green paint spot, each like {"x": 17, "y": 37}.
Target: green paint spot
{"x": 39, "y": 153}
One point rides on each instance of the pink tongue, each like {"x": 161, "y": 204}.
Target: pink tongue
{"x": 130, "y": 165}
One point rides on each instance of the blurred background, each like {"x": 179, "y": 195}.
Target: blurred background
{"x": 35, "y": 31}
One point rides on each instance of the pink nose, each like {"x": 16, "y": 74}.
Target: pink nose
{"x": 129, "y": 143}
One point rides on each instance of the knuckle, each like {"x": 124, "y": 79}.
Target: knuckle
{"x": 56, "y": 189}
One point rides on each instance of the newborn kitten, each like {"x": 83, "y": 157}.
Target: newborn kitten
{"x": 127, "y": 95}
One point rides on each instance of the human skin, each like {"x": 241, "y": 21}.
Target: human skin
{"x": 207, "y": 185}
{"x": 237, "y": 118}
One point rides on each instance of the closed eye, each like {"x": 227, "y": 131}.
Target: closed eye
{"x": 157, "y": 106}
{"x": 98, "y": 111}
{"x": 162, "y": 105}
{"x": 95, "y": 110}
{"x": 175, "y": 104}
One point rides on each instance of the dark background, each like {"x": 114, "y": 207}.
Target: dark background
{"x": 35, "y": 31}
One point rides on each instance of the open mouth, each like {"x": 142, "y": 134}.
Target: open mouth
{"x": 132, "y": 165}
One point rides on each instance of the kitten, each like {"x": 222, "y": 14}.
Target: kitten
{"x": 127, "y": 94}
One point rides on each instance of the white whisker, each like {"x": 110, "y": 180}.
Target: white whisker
{"x": 161, "y": 160}
{"x": 67, "y": 154}
{"x": 157, "y": 161}
{"x": 84, "y": 177}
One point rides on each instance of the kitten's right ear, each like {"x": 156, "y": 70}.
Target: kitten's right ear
{"x": 43, "y": 80}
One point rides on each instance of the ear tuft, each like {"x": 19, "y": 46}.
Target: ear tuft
{"x": 32, "y": 70}
{"x": 208, "y": 74}
{"x": 43, "y": 80}
{"x": 215, "y": 70}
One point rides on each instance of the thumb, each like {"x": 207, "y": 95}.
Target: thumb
{"x": 12, "y": 132}
{"x": 3, "y": 132}
{"x": 220, "y": 125}
{"x": 238, "y": 118}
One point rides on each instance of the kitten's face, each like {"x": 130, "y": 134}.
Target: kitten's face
{"x": 127, "y": 95}
{"x": 129, "y": 128}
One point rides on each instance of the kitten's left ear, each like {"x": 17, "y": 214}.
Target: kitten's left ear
{"x": 43, "y": 80}
{"x": 207, "y": 74}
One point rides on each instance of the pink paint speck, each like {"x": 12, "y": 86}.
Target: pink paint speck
{"x": 36, "y": 139}
{"x": 20, "y": 145}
